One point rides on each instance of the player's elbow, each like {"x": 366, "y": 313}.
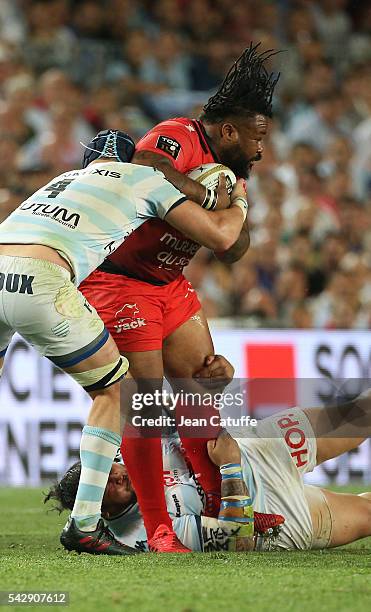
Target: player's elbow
{"x": 226, "y": 237}
{"x": 221, "y": 240}
{"x": 236, "y": 251}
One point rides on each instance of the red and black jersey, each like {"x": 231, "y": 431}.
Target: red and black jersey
{"x": 156, "y": 252}
{"x": 181, "y": 140}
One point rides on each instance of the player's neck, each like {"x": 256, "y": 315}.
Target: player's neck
{"x": 211, "y": 134}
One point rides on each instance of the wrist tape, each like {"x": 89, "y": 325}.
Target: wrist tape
{"x": 234, "y": 470}
{"x": 210, "y": 200}
{"x": 230, "y": 470}
{"x": 242, "y": 205}
{"x": 237, "y": 501}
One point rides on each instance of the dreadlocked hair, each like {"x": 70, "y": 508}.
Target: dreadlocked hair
{"x": 64, "y": 492}
{"x": 247, "y": 89}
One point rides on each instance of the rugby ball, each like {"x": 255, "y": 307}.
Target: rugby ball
{"x": 208, "y": 175}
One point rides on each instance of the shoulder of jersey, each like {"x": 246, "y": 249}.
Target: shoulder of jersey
{"x": 177, "y": 121}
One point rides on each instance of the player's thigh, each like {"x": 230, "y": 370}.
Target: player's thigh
{"x": 144, "y": 365}
{"x": 351, "y": 517}
{"x": 337, "y": 439}
{"x": 185, "y": 349}
{"x": 131, "y": 310}
{"x": 146, "y": 370}
{"x": 55, "y": 318}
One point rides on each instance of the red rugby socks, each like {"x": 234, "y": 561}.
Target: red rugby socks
{"x": 206, "y": 472}
{"x": 143, "y": 459}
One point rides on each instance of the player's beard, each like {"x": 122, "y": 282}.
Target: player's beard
{"x": 237, "y": 160}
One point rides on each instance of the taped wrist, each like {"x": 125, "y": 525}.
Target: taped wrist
{"x": 242, "y": 205}
{"x": 230, "y": 470}
{"x": 239, "y": 502}
{"x": 211, "y": 199}
{"x": 236, "y": 508}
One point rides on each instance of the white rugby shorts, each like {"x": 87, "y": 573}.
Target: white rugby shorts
{"x": 280, "y": 450}
{"x": 38, "y": 300}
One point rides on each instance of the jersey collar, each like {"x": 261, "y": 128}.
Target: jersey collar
{"x": 205, "y": 140}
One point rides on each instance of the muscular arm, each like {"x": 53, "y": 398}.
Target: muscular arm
{"x": 238, "y": 249}
{"x": 193, "y": 190}
{"x": 216, "y": 230}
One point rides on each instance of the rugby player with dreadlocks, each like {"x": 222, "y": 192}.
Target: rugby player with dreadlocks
{"x": 140, "y": 292}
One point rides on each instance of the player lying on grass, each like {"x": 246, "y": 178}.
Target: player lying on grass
{"x": 149, "y": 307}
{"x": 48, "y": 245}
{"x": 274, "y": 457}
{"x": 185, "y": 501}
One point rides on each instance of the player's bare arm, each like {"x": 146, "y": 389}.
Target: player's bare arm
{"x": 192, "y": 189}
{"x": 216, "y": 230}
{"x": 238, "y": 249}
{"x": 197, "y": 193}
{"x": 236, "y": 506}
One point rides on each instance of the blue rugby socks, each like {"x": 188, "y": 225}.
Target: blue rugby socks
{"x": 98, "y": 448}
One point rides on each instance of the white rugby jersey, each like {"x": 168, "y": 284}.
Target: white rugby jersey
{"x": 86, "y": 214}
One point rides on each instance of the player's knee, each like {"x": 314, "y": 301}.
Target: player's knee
{"x": 104, "y": 377}
{"x": 111, "y": 394}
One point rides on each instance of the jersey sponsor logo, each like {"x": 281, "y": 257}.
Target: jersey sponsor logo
{"x": 55, "y": 212}
{"x": 127, "y": 318}
{"x": 100, "y": 171}
{"x": 170, "y": 260}
{"x": 16, "y": 283}
{"x": 168, "y": 145}
{"x": 177, "y": 505}
{"x": 171, "y": 478}
{"x": 103, "y": 172}
{"x": 184, "y": 246}
{"x": 295, "y": 439}
{"x": 58, "y": 187}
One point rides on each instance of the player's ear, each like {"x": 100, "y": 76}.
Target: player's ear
{"x": 229, "y": 133}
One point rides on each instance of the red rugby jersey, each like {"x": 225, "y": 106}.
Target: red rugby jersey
{"x": 156, "y": 252}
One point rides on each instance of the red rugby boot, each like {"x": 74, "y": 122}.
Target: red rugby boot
{"x": 164, "y": 540}
{"x": 263, "y": 522}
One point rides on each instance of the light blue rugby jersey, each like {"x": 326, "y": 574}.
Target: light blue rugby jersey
{"x": 184, "y": 500}
{"x": 86, "y": 214}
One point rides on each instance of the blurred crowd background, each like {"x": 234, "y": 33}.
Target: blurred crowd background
{"x": 70, "y": 68}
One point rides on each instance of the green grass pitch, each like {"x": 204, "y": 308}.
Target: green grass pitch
{"x": 31, "y": 559}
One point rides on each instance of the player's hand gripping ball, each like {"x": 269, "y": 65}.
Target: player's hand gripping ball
{"x": 209, "y": 175}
